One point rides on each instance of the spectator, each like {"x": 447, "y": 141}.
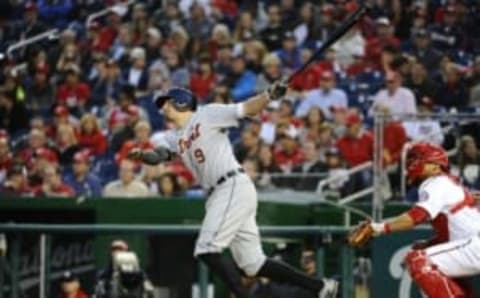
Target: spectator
{"x": 422, "y": 86}
{"x": 272, "y": 34}
{"x": 90, "y": 136}
{"x": 468, "y": 162}
{"x": 447, "y": 36}
{"x": 31, "y": 24}
{"x": 312, "y": 165}
{"x": 452, "y": 92}
{"x": 40, "y": 97}
{"x": 254, "y": 51}
{"x": 107, "y": 83}
{"x": 313, "y": 121}
{"x": 397, "y": 99}
{"x": 16, "y": 183}
{"x": 13, "y": 114}
{"x": 139, "y": 23}
{"x": 127, "y": 186}
{"x": 289, "y": 153}
{"x": 356, "y": 146}
{"x": 70, "y": 286}
{"x": 325, "y": 97}
{"x": 242, "y": 80}
{"x": 153, "y": 45}
{"x": 142, "y": 131}
{"x": 168, "y": 185}
{"x": 271, "y": 72}
{"x": 125, "y": 130}
{"x": 6, "y": 158}
{"x": 248, "y": 146}
{"x": 424, "y": 130}
{"x": 36, "y": 140}
{"x": 267, "y": 167}
{"x": 336, "y": 171}
{"x": 220, "y": 37}
{"x": 97, "y": 42}
{"x": 69, "y": 58}
{"x": 199, "y": 26}
{"x": 52, "y": 185}
{"x": 289, "y": 54}
{"x": 74, "y": 93}
{"x": 351, "y": 45}
{"x": 307, "y": 29}
{"x": 82, "y": 181}
{"x": 137, "y": 74}
{"x": 202, "y": 82}
{"x": 384, "y": 38}
{"x": 122, "y": 43}
{"x": 244, "y": 27}
{"x": 66, "y": 144}
{"x": 179, "y": 75}
{"x": 55, "y": 13}
{"x": 424, "y": 52}
{"x": 394, "y": 137}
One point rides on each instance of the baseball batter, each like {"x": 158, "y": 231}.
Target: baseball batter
{"x": 436, "y": 264}
{"x": 202, "y": 142}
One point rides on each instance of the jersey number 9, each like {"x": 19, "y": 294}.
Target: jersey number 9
{"x": 199, "y": 156}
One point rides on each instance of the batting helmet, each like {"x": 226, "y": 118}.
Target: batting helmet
{"x": 181, "y": 98}
{"x": 422, "y": 153}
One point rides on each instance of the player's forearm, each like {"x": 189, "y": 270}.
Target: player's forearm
{"x": 255, "y": 104}
{"x": 404, "y": 222}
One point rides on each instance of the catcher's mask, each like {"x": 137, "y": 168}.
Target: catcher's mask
{"x": 424, "y": 153}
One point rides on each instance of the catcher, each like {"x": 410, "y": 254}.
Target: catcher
{"x": 454, "y": 252}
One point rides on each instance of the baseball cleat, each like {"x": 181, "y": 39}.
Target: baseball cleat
{"x": 330, "y": 288}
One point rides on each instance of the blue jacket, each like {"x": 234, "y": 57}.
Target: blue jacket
{"x": 55, "y": 14}
{"x": 244, "y": 86}
{"x": 89, "y": 187}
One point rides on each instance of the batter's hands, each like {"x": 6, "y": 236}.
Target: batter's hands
{"x": 135, "y": 154}
{"x": 277, "y": 90}
{"x": 361, "y": 234}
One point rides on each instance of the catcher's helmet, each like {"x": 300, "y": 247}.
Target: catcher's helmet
{"x": 422, "y": 153}
{"x": 181, "y": 98}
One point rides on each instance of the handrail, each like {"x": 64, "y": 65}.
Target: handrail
{"x": 357, "y": 195}
{"x": 105, "y": 11}
{"x": 157, "y": 229}
{"x": 28, "y": 41}
{"x": 348, "y": 173}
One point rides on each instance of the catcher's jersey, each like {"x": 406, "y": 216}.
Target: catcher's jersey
{"x": 453, "y": 211}
{"x": 203, "y": 143}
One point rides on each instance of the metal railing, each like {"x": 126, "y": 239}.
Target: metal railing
{"x": 105, "y": 11}
{"x": 323, "y": 233}
{"x": 31, "y": 40}
{"x": 348, "y": 172}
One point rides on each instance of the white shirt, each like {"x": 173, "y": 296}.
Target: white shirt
{"x": 323, "y": 100}
{"x": 134, "y": 76}
{"x": 119, "y": 190}
{"x": 439, "y": 196}
{"x": 427, "y": 131}
{"x": 203, "y": 143}
{"x": 400, "y": 102}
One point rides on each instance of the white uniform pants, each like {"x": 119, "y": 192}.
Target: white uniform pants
{"x": 230, "y": 221}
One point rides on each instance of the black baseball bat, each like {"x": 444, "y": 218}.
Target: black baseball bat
{"x": 336, "y": 35}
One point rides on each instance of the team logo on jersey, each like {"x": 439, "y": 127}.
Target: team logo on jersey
{"x": 186, "y": 143}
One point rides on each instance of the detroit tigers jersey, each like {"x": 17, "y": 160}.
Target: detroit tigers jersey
{"x": 203, "y": 142}
{"x": 452, "y": 209}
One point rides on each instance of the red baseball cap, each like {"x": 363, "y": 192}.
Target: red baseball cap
{"x": 353, "y": 118}
{"x": 47, "y": 154}
{"x": 61, "y": 111}
{"x": 82, "y": 156}
{"x": 327, "y": 75}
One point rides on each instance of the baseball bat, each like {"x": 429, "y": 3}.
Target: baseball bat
{"x": 334, "y": 37}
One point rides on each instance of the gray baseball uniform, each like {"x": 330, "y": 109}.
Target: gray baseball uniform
{"x": 230, "y": 219}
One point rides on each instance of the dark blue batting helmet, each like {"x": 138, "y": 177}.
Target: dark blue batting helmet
{"x": 181, "y": 98}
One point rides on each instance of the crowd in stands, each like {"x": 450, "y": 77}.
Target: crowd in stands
{"x": 73, "y": 105}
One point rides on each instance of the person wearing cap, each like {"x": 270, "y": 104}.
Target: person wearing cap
{"x": 31, "y": 24}
{"x": 39, "y": 91}
{"x": 74, "y": 93}
{"x": 128, "y": 118}
{"x": 385, "y": 37}
{"x": 81, "y": 180}
{"x": 356, "y": 145}
{"x": 137, "y": 74}
{"x": 395, "y": 97}
{"x": 6, "y": 158}
{"x": 16, "y": 183}
{"x": 70, "y": 286}
{"x": 289, "y": 153}
{"x": 447, "y": 36}
{"x": 242, "y": 81}
{"x": 289, "y": 54}
{"x": 324, "y": 97}
{"x": 272, "y": 34}
{"x": 422, "y": 49}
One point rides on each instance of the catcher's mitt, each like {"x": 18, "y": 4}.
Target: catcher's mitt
{"x": 361, "y": 234}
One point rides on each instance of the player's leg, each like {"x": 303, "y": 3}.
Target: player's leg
{"x": 224, "y": 217}
{"x": 435, "y": 268}
{"x": 248, "y": 254}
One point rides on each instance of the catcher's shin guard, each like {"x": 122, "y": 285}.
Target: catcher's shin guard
{"x": 431, "y": 281}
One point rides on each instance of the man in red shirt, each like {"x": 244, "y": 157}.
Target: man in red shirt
{"x": 356, "y": 146}
{"x": 73, "y": 93}
{"x": 288, "y": 154}
{"x": 384, "y": 38}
